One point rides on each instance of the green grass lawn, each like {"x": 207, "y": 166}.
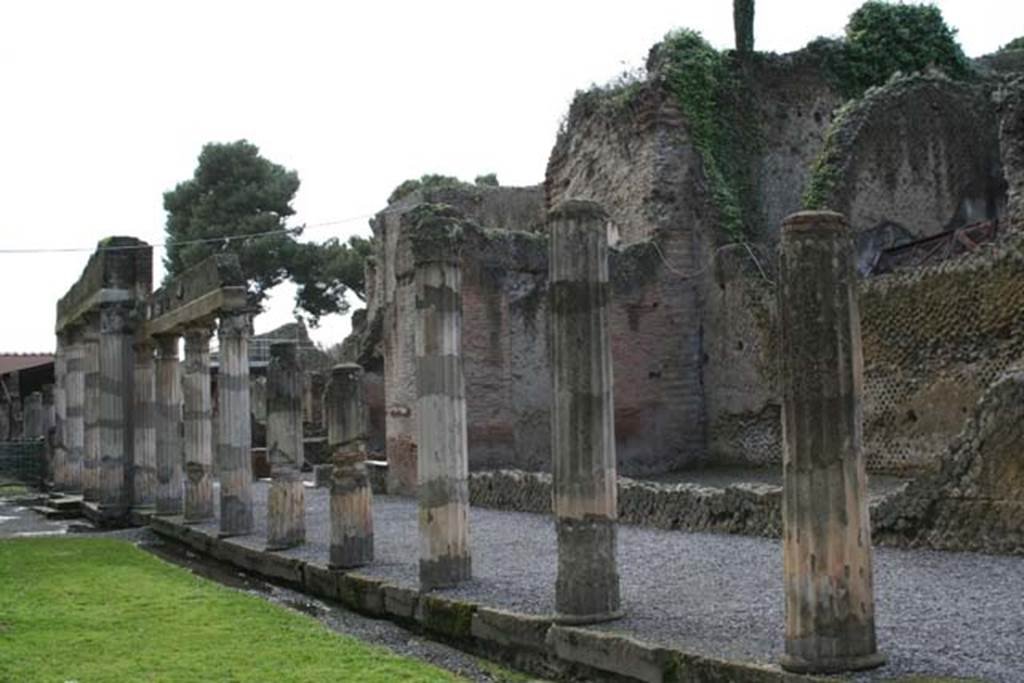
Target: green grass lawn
{"x": 9, "y": 490}
{"x": 81, "y": 609}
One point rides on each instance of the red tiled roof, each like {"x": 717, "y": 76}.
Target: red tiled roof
{"x": 9, "y": 362}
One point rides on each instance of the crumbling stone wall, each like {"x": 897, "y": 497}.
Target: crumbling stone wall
{"x": 1010, "y": 103}
{"x": 913, "y": 158}
{"x": 976, "y": 500}
{"x": 934, "y": 339}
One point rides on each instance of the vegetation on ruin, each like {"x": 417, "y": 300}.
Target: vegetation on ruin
{"x": 706, "y": 87}
{"x": 825, "y": 174}
{"x": 101, "y": 609}
{"x": 434, "y": 181}
{"x": 1015, "y": 44}
{"x": 237, "y": 201}
{"x": 882, "y": 39}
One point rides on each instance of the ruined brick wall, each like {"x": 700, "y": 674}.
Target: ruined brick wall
{"x": 976, "y": 500}
{"x": 635, "y": 158}
{"x": 1010, "y": 103}
{"x": 934, "y": 339}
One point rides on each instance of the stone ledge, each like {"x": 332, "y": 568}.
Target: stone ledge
{"x": 529, "y": 642}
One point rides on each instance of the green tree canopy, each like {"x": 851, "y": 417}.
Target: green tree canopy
{"x": 233, "y": 200}
{"x": 884, "y": 38}
{"x": 325, "y": 272}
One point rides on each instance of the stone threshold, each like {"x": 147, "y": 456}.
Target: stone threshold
{"x": 531, "y": 643}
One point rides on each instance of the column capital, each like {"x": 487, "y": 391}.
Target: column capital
{"x": 235, "y": 324}
{"x": 117, "y": 318}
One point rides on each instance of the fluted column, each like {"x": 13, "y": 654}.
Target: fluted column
{"x": 582, "y": 416}
{"x": 234, "y": 433}
{"x": 351, "y": 496}
{"x": 830, "y": 620}
{"x": 74, "y": 426}
{"x": 143, "y": 469}
{"x": 169, "y": 447}
{"x": 91, "y": 409}
{"x": 32, "y": 416}
{"x": 284, "y": 407}
{"x": 59, "y": 441}
{"x": 442, "y": 459}
{"x": 115, "y": 389}
{"x": 198, "y": 413}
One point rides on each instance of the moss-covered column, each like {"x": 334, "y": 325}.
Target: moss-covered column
{"x": 115, "y": 390}
{"x": 143, "y": 469}
{"x": 582, "y": 415}
{"x": 442, "y": 465}
{"x": 74, "y": 426}
{"x": 169, "y": 448}
{"x": 351, "y": 497}
{"x": 198, "y": 413}
{"x": 830, "y": 605}
{"x": 284, "y": 407}
{"x": 234, "y": 433}
{"x": 91, "y": 409}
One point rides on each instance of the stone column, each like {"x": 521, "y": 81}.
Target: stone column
{"x": 74, "y": 426}
{"x": 143, "y": 470}
{"x": 198, "y": 413}
{"x": 286, "y": 511}
{"x": 582, "y": 416}
{"x": 234, "y": 434}
{"x": 91, "y": 410}
{"x": 48, "y": 429}
{"x": 60, "y": 412}
{"x": 830, "y": 622}
{"x": 32, "y": 416}
{"x": 442, "y": 460}
{"x": 351, "y": 496}
{"x": 284, "y": 407}
{"x": 115, "y": 389}
{"x": 169, "y": 447}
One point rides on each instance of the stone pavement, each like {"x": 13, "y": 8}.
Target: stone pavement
{"x": 949, "y": 614}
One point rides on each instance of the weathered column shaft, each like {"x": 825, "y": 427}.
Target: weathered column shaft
{"x": 74, "y": 426}
{"x": 234, "y": 448}
{"x": 60, "y": 415}
{"x": 198, "y": 414}
{"x": 582, "y": 415}
{"x": 286, "y": 511}
{"x": 169, "y": 446}
{"x": 115, "y": 388}
{"x": 91, "y": 411}
{"x": 143, "y": 468}
{"x": 351, "y": 496}
{"x": 830, "y": 623}
{"x": 442, "y": 458}
{"x": 284, "y": 407}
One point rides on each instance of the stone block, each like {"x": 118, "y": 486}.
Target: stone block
{"x": 362, "y": 593}
{"x": 510, "y": 630}
{"x": 400, "y": 603}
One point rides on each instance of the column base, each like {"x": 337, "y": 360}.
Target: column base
{"x": 832, "y": 665}
{"x": 582, "y": 619}
{"x": 139, "y": 515}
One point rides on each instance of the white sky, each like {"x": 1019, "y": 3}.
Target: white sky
{"x": 105, "y": 105}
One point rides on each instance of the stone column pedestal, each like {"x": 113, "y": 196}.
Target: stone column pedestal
{"x": 582, "y": 416}
{"x": 198, "y": 418}
{"x": 169, "y": 448}
{"x": 442, "y": 459}
{"x": 351, "y": 496}
{"x": 830, "y": 615}
{"x": 234, "y": 448}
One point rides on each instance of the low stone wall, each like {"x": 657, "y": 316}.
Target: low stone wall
{"x": 746, "y": 509}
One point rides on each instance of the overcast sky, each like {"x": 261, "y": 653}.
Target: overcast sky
{"x": 105, "y": 105}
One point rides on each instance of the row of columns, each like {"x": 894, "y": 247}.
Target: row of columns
{"x": 827, "y": 542}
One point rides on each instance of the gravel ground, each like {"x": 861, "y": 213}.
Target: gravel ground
{"x": 950, "y": 614}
